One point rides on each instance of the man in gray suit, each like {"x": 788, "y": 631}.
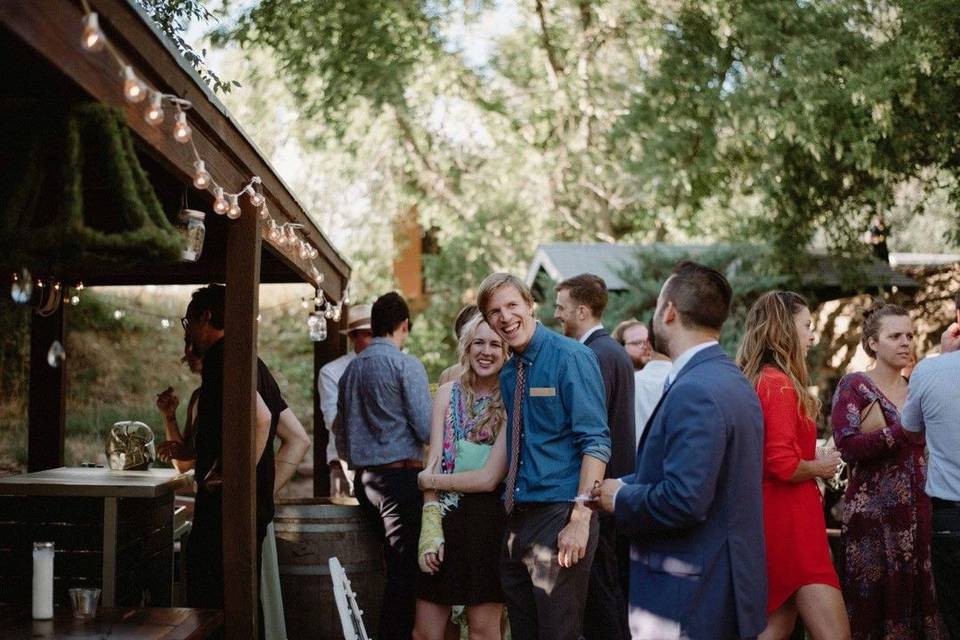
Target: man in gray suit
{"x": 693, "y": 508}
{"x": 580, "y": 303}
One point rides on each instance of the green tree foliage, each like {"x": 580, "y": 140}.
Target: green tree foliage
{"x": 760, "y": 121}
{"x": 820, "y": 109}
{"x": 173, "y": 18}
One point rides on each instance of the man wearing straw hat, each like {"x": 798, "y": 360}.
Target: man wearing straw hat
{"x": 360, "y": 334}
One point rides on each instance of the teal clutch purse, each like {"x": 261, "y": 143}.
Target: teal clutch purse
{"x": 471, "y": 456}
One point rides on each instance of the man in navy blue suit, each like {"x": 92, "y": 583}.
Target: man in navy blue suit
{"x": 693, "y": 506}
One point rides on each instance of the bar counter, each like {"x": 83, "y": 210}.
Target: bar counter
{"x": 116, "y": 624}
{"x": 111, "y": 529}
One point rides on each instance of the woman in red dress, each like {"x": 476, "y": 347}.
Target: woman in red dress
{"x": 801, "y": 578}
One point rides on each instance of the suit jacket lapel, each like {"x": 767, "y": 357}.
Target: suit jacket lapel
{"x": 596, "y": 334}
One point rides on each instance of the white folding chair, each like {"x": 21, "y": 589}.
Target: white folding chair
{"x": 351, "y": 617}
{"x": 271, "y": 596}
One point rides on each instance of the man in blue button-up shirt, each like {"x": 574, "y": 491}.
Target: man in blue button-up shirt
{"x": 557, "y": 448}
{"x": 383, "y": 421}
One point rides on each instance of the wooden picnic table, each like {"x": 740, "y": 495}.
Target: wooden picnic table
{"x": 116, "y": 624}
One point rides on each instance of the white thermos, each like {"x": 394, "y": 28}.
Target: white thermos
{"x": 42, "y": 580}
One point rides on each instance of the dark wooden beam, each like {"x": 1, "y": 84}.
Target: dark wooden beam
{"x": 48, "y": 391}
{"x": 272, "y": 270}
{"x": 239, "y": 427}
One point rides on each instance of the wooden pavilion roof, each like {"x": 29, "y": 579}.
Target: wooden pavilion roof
{"x": 41, "y": 55}
{"x": 41, "y": 45}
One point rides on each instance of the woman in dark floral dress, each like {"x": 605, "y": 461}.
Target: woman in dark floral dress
{"x": 886, "y": 578}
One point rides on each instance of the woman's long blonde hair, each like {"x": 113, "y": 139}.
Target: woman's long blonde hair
{"x": 496, "y": 415}
{"x": 772, "y": 339}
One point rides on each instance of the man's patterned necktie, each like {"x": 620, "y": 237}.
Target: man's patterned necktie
{"x": 517, "y": 426}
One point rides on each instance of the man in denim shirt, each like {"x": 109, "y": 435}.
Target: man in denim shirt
{"x": 558, "y": 445}
{"x": 383, "y": 421}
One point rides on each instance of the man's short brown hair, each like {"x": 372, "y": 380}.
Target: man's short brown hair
{"x": 588, "y": 290}
{"x": 623, "y": 327}
{"x": 701, "y": 295}
{"x": 496, "y": 280}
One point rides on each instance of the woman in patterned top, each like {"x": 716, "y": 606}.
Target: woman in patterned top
{"x": 886, "y": 577}
{"x": 461, "y": 533}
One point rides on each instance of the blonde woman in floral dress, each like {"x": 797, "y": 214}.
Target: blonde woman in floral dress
{"x": 461, "y": 532}
{"x": 887, "y": 580}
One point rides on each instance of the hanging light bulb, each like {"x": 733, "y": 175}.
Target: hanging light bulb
{"x": 153, "y": 115}
{"x": 133, "y": 88}
{"x": 22, "y": 287}
{"x": 93, "y": 38}
{"x": 304, "y": 252}
{"x": 220, "y": 205}
{"x": 274, "y": 234}
{"x": 234, "y": 211}
{"x": 313, "y": 252}
{"x": 291, "y": 238}
{"x": 201, "y": 179}
{"x": 79, "y": 286}
{"x": 263, "y": 212}
{"x": 255, "y": 198}
{"x": 181, "y": 130}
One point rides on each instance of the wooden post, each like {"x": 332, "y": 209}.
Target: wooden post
{"x": 239, "y": 426}
{"x": 323, "y": 352}
{"x": 48, "y": 390}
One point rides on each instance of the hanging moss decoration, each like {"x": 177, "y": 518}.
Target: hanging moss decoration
{"x": 74, "y": 194}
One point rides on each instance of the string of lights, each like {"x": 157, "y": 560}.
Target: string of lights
{"x": 122, "y": 308}
{"x": 226, "y": 203}
{"x": 136, "y": 90}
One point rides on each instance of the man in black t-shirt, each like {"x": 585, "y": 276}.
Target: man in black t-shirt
{"x": 203, "y": 329}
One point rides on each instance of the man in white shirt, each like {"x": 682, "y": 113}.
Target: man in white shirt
{"x": 360, "y": 334}
{"x": 648, "y": 387}
{"x": 933, "y": 407}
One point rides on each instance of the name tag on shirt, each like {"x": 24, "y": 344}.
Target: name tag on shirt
{"x": 542, "y": 392}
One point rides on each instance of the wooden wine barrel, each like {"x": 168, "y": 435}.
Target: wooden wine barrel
{"x": 309, "y": 531}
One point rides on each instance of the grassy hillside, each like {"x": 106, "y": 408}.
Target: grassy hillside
{"x": 116, "y": 367}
